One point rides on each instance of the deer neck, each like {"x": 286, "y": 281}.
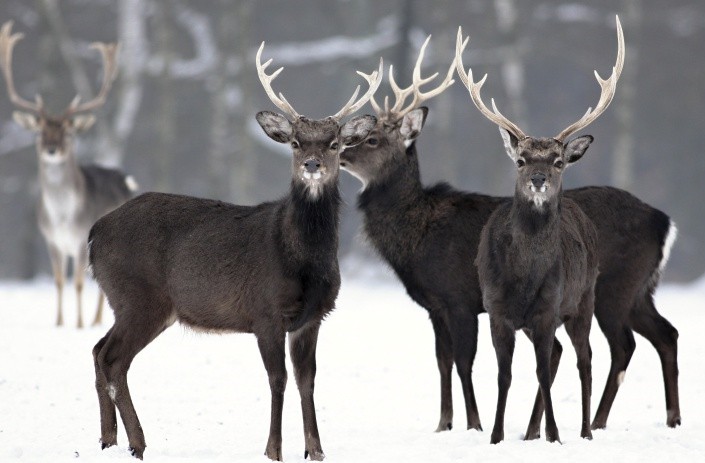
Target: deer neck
{"x": 395, "y": 210}
{"x": 532, "y": 221}
{"x": 311, "y": 224}
{"x": 57, "y": 177}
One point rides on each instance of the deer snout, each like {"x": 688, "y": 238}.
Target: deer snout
{"x": 312, "y": 165}
{"x": 538, "y": 179}
{"x": 51, "y": 150}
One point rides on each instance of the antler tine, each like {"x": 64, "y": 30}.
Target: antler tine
{"x": 420, "y": 97}
{"x": 373, "y": 79}
{"x": 266, "y": 80}
{"x": 475, "y": 87}
{"x": 7, "y": 44}
{"x": 607, "y": 91}
{"x": 109, "y": 52}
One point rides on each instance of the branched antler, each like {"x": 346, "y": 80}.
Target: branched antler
{"x": 474, "y": 88}
{"x": 398, "y": 110}
{"x": 7, "y": 44}
{"x": 109, "y": 52}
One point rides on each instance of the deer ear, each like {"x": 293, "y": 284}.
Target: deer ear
{"x": 510, "y": 143}
{"x": 27, "y": 120}
{"x": 81, "y": 123}
{"x": 356, "y": 130}
{"x": 276, "y": 126}
{"x": 575, "y": 148}
{"x": 412, "y": 123}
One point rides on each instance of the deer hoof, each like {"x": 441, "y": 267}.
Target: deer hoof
{"x": 314, "y": 455}
{"x": 444, "y": 426}
{"x": 137, "y": 453}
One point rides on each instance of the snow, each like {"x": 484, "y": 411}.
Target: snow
{"x": 205, "y": 397}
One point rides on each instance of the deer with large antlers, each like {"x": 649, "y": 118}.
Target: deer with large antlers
{"x": 269, "y": 270}
{"x": 72, "y": 196}
{"x": 429, "y": 234}
{"x": 538, "y": 255}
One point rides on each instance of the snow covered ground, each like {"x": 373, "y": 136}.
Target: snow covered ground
{"x": 206, "y": 397}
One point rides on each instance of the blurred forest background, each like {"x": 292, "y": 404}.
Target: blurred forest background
{"x": 180, "y": 117}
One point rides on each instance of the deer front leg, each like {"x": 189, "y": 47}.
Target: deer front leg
{"x": 543, "y": 336}
{"x": 271, "y": 347}
{"x": 58, "y": 267}
{"x": 302, "y": 347}
{"x": 98, "y": 320}
{"x": 533, "y": 431}
{"x": 444, "y": 358}
{"x": 503, "y": 340}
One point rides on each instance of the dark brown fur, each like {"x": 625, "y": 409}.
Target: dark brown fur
{"x": 267, "y": 270}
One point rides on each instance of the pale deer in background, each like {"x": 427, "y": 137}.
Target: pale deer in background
{"x": 72, "y": 196}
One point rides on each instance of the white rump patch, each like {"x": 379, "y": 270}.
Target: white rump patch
{"x": 620, "y": 377}
{"x": 112, "y": 391}
{"x": 667, "y": 245}
{"x": 131, "y": 183}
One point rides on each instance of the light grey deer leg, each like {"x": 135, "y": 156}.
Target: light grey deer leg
{"x": 58, "y": 267}
{"x": 79, "y": 274}
{"x": 98, "y": 320}
{"x": 302, "y": 348}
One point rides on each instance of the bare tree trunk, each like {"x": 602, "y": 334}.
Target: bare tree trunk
{"x": 401, "y": 62}
{"x": 244, "y": 162}
{"x": 166, "y": 124}
{"x": 512, "y": 65}
{"x": 220, "y": 125}
{"x": 623, "y": 158}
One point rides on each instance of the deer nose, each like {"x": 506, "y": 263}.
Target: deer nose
{"x": 312, "y": 165}
{"x": 538, "y": 179}
{"x": 51, "y": 150}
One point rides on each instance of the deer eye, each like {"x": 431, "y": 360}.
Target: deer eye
{"x": 558, "y": 164}
{"x": 295, "y": 144}
{"x": 521, "y": 162}
{"x": 334, "y": 146}
{"x": 372, "y": 141}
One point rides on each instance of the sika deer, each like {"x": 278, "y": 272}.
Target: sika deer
{"x": 537, "y": 259}
{"x": 267, "y": 269}
{"x": 72, "y": 196}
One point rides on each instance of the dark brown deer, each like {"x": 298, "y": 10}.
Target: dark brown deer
{"x": 429, "y": 234}
{"x": 267, "y": 269}
{"x": 538, "y": 258}
{"x": 72, "y": 196}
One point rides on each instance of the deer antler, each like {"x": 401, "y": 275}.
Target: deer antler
{"x": 279, "y": 101}
{"x": 109, "y": 53}
{"x": 374, "y": 79}
{"x": 474, "y": 88}
{"x": 7, "y": 44}
{"x": 607, "y": 90}
{"x": 398, "y": 111}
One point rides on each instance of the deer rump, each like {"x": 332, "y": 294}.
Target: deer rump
{"x": 211, "y": 265}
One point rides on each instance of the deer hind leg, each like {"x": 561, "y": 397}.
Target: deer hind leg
{"x": 533, "y": 431}
{"x": 79, "y": 273}
{"x": 444, "y": 358}
{"x": 464, "y": 336}
{"x": 621, "y": 341}
{"x": 108, "y": 417}
{"x": 98, "y": 320}
{"x": 578, "y": 329}
{"x": 271, "y": 347}
{"x": 58, "y": 267}
{"x": 302, "y": 348}
{"x": 664, "y": 337}
{"x": 128, "y": 336}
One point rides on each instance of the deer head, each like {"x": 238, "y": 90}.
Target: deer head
{"x": 54, "y": 132}
{"x": 397, "y": 126}
{"x": 541, "y": 161}
{"x": 316, "y": 144}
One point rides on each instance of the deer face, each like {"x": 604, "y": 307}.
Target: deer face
{"x": 384, "y": 148}
{"x": 541, "y": 162}
{"x": 54, "y": 134}
{"x": 316, "y": 145}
